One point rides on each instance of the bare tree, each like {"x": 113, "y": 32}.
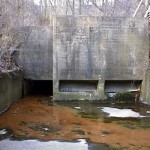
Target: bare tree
{"x": 17, "y": 14}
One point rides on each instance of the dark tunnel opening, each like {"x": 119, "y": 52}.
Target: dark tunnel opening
{"x": 38, "y": 87}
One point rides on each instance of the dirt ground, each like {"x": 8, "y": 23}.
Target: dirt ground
{"x": 32, "y": 118}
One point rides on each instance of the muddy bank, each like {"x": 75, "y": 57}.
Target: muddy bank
{"x": 35, "y": 117}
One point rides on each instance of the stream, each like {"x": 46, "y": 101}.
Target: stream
{"x": 36, "y": 122}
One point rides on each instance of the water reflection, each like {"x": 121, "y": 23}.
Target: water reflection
{"x": 38, "y": 117}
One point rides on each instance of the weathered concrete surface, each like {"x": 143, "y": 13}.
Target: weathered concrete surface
{"x": 85, "y": 48}
{"x": 97, "y": 48}
{"x": 145, "y": 91}
{"x": 36, "y": 54}
{"x": 10, "y": 88}
{"x": 77, "y": 86}
{"x": 113, "y": 86}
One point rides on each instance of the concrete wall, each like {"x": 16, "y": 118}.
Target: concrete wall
{"x": 145, "y": 91}
{"x": 10, "y": 88}
{"x": 97, "y": 48}
{"x": 85, "y": 48}
{"x": 36, "y": 54}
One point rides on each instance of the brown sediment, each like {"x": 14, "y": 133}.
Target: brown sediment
{"x": 30, "y": 118}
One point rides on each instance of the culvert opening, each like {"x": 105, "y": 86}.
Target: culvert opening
{"x": 38, "y": 87}
{"x": 77, "y": 85}
{"x": 113, "y": 87}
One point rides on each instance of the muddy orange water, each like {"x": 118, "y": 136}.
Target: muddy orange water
{"x": 31, "y": 117}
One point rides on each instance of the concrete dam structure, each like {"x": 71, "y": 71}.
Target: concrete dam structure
{"x": 85, "y": 57}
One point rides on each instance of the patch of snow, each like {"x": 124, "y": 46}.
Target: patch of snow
{"x": 111, "y": 94}
{"x": 148, "y": 112}
{"x": 121, "y": 113}
{"x": 8, "y": 144}
{"x": 46, "y": 129}
{"x": 2, "y": 132}
{"x": 145, "y": 103}
{"x": 77, "y": 107}
{"x": 83, "y": 141}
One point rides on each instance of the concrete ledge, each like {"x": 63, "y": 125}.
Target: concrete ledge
{"x": 10, "y": 88}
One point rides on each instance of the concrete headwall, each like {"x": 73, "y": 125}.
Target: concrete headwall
{"x": 10, "y": 88}
{"x": 96, "y": 48}
{"x": 36, "y": 54}
{"x": 81, "y": 53}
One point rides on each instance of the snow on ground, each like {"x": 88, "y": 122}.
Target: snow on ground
{"x": 121, "y": 113}
{"x": 3, "y": 131}
{"x": 77, "y": 107}
{"x": 7, "y": 144}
